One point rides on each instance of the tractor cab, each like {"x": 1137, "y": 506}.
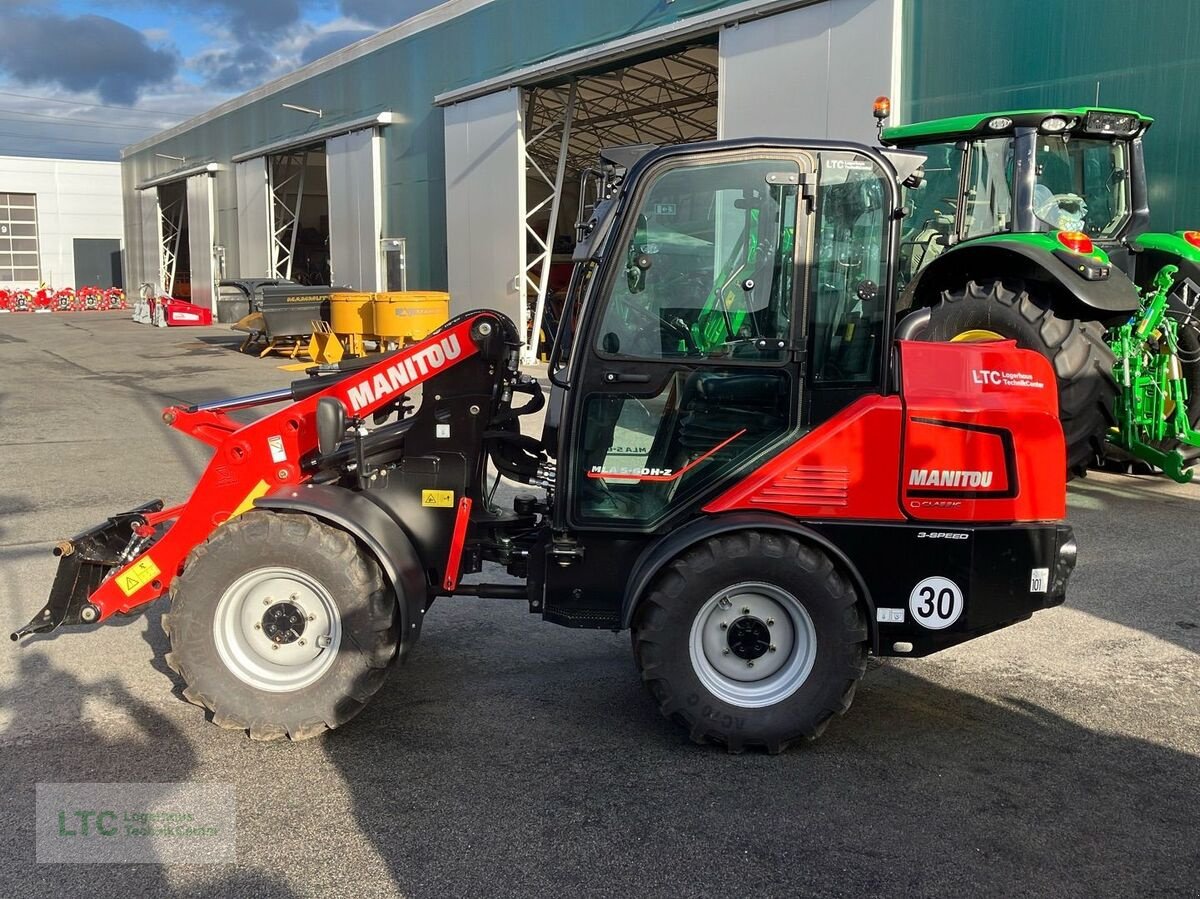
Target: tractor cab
{"x": 1078, "y": 171}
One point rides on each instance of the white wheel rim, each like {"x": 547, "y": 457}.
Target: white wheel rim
{"x": 242, "y": 628}
{"x": 753, "y": 644}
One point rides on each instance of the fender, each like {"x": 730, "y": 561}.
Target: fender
{"x": 382, "y": 535}
{"x": 662, "y": 551}
{"x": 1156, "y": 249}
{"x": 1017, "y": 257}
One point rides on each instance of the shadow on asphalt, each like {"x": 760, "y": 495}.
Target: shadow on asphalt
{"x": 477, "y": 772}
{"x": 1148, "y": 575}
{"x": 154, "y": 751}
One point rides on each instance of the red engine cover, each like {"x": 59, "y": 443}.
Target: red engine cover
{"x": 973, "y": 437}
{"x": 982, "y": 439}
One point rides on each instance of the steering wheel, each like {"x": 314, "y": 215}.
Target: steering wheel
{"x": 657, "y": 320}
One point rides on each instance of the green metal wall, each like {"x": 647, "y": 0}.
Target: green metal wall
{"x": 404, "y": 77}
{"x": 963, "y": 56}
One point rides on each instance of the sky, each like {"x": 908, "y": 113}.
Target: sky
{"x": 83, "y": 78}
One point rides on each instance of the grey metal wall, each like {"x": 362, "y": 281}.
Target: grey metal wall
{"x": 352, "y": 166}
{"x": 201, "y": 239}
{"x": 811, "y": 72}
{"x": 253, "y": 220}
{"x": 485, "y": 189}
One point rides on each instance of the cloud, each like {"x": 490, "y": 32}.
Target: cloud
{"x": 324, "y": 44}
{"x": 254, "y": 17}
{"x": 386, "y": 12}
{"x": 82, "y": 53}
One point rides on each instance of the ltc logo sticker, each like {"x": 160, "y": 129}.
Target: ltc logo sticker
{"x": 936, "y": 603}
{"x": 137, "y": 575}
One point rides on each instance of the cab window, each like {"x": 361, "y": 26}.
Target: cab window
{"x": 929, "y": 209}
{"x": 708, "y": 268}
{"x": 846, "y": 313}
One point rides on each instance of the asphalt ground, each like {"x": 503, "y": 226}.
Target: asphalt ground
{"x": 513, "y": 757}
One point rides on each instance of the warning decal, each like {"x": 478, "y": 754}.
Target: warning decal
{"x": 437, "y": 499}
{"x": 137, "y": 575}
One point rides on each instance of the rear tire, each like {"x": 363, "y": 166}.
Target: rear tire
{"x": 1082, "y": 361}
{"x": 281, "y": 626}
{"x": 768, "y": 590}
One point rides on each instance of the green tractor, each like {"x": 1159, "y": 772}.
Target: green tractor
{"x": 1031, "y": 225}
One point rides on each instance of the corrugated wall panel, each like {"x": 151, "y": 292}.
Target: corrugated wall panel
{"x": 962, "y": 57}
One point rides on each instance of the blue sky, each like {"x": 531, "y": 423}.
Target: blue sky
{"x": 83, "y": 78}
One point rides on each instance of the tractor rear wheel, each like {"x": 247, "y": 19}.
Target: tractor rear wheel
{"x": 281, "y": 625}
{"x": 1082, "y": 361}
{"x": 751, "y": 639}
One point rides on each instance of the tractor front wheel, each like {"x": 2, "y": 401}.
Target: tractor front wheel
{"x": 281, "y": 626}
{"x": 1082, "y": 361}
{"x": 751, "y": 639}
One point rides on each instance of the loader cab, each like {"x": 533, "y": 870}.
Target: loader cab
{"x": 733, "y": 296}
{"x": 1024, "y": 172}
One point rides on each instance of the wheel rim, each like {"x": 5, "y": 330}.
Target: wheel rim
{"x": 753, "y": 644}
{"x": 975, "y": 334}
{"x": 277, "y": 629}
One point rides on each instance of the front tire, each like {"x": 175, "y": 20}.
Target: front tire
{"x": 751, "y": 639}
{"x": 281, "y": 626}
{"x": 1083, "y": 363}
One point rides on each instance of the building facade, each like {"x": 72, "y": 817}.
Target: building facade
{"x": 60, "y": 223}
{"x": 451, "y": 151}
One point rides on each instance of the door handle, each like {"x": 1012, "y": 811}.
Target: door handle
{"x": 616, "y": 377}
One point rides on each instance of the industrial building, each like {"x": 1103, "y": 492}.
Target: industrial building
{"x": 60, "y": 223}
{"x": 447, "y": 152}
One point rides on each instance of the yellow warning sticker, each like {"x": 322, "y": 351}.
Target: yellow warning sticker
{"x": 137, "y": 575}
{"x": 437, "y": 499}
{"x": 247, "y": 504}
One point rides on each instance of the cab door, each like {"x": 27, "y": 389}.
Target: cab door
{"x": 686, "y": 368}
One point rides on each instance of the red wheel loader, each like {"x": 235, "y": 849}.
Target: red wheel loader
{"x": 740, "y": 463}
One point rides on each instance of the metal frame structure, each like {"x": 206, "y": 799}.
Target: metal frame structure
{"x": 170, "y": 232}
{"x": 671, "y": 99}
{"x": 285, "y": 171}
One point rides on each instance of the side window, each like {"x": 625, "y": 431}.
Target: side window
{"x": 708, "y": 267}
{"x": 989, "y": 187}
{"x": 930, "y": 210}
{"x": 642, "y": 455}
{"x": 846, "y": 314}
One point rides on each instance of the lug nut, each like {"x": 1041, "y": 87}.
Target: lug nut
{"x": 302, "y": 641}
{"x": 770, "y": 622}
{"x": 294, "y": 596}
{"x": 258, "y": 625}
{"x": 312, "y": 617}
{"x": 724, "y": 625}
{"x": 771, "y": 648}
{"x": 266, "y": 600}
{"x": 745, "y": 610}
{"x": 724, "y": 602}
{"x": 749, "y": 664}
{"x": 724, "y": 652}
{"x": 274, "y": 645}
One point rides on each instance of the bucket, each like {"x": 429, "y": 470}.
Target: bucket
{"x": 410, "y": 315}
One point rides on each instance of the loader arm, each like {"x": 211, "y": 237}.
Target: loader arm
{"x": 131, "y": 559}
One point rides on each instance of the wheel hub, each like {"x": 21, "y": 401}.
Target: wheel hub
{"x": 277, "y": 629}
{"x": 283, "y": 623}
{"x": 753, "y": 644}
{"x": 749, "y": 638}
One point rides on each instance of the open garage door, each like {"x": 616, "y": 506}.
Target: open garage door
{"x": 173, "y": 243}
{"x": 666, "y": 99}
{"x": 355, "y": 208}
{"x": 299, "y": 215}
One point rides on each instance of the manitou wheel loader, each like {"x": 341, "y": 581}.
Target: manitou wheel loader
{"x": 1031, "y": 225}
{"x": 738, "y": 463}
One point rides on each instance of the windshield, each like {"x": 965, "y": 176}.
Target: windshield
{"x": 1082, "y": 185}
